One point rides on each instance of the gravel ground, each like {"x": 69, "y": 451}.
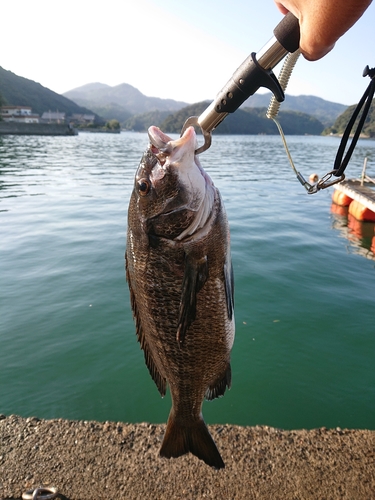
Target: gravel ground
{"x": 102, "y": 461}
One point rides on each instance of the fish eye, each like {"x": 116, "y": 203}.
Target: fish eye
{"x": 143, "y": 186}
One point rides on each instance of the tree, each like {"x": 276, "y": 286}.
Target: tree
{"x": 113, "y": 124}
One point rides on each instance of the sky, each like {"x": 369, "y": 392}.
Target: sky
{"x": 177, "y": 49}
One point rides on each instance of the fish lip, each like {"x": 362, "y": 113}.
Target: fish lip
{"x": 158, "y": 139}
{"x": 162, "y": 143}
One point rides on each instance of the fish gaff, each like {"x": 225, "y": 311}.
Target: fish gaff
{"x": 253, "y": 73}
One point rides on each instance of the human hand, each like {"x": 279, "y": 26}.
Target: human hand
{"x": 322, "y": 22}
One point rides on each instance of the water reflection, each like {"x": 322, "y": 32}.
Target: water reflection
{"x": 361, "y": 235}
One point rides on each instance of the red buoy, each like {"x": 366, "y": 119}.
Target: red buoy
{"x": 341, "y": 198}
{"x": 360, "y": 212}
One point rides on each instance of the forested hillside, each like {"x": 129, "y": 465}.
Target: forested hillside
{"x": 19, "y": 91}
{"x": 325, "y": 111}
{"x": 248, "y": 121}
{"x": 342, "y": 121}
{"x": 135, "y": 111}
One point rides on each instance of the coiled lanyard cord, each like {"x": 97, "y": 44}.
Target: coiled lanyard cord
{"x": 340, "y": 163}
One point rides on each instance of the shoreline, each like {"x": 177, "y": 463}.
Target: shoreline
{"x": 114, "y": 460}
{"x": 43, "y": 129}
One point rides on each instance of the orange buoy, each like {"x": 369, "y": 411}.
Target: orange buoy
{"x": 373, "y": 245}
{"x": 360, "y": 212}
{"x": 361, "y": 229}
{"x": 341, "y": 198}
{"x": 339, "y": 210}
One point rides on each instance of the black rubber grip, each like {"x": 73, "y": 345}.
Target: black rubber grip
{"x": 287, "y": 32}
{"x": 245, "y": 81}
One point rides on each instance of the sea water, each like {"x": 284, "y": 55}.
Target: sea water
{"x": 304, "y": 353}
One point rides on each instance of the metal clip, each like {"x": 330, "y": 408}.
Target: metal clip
{"x": 325, "y": 182}
{"x": 41, "y": 493}
{"x": 193, "y": 122}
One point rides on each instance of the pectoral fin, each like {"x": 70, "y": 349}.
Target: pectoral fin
{"x": 229, "y": 286}
{"x": 195, "y": 276}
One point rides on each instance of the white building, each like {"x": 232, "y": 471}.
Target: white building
{"x": 21, "y": 114}
{"x": 83, "y": 119}
{"x": 53, "y": 117}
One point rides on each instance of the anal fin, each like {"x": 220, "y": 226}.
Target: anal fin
{"x": 218, "y": 388}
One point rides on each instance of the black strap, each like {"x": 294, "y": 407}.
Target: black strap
{"x": 340, "y": 163}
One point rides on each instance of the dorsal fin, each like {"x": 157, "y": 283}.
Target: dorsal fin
{"x": 159, "y": 380}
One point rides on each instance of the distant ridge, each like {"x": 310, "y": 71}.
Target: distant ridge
{"x": 324, "y": 111}
{"x": 136, "y": 111}
{"x": 338, "y": 128}
{"x": 88, "y": 87}
{"x": 248, "y": 121}
{"x": 124, "y": 100}
{"x": 19, "y": 91}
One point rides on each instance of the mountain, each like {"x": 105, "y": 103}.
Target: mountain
{"x": 248, "y": 121}
{"x": 124, "y": 101}
{"x": 298, "y": 115}
{"x": 124, "y": 98}
{"x": 340, "y": 124}
{"x": 140, "y": 123}
{"x": 111, "y": 112}
{"x": 19, "y": 91}
{"x": 324, "y": 111}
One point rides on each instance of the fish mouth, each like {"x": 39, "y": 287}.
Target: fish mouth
{"x": 195, "y": 187}
{"x": 158, "y": 139}
{"x": 162, "y": 145}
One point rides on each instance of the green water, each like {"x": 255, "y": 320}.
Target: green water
{"x": 304, "y": 353}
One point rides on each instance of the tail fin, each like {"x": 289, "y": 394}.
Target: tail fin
{"x": 180, "y": 439}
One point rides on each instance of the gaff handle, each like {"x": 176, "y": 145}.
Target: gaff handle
{"x": 253, "y": 73}
{"x": 287, "y": 32}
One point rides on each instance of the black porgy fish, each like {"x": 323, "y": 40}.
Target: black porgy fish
{"x": 180, "y": 277}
